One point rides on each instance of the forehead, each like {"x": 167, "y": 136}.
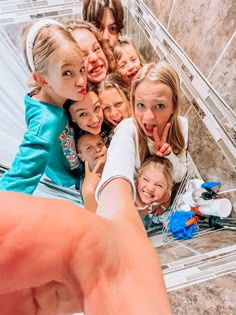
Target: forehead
{"x": 86, "y": 103}
{"x": 155, "y": 89}
{"x": 107, "y": 17}
{"x": 68, "y": 54}
{"x": 154, "y": 172}
{"x": 127, "y": 51}
{"x": 88, "y": 139}
{"x": 84, "y": 38}
{"x": 110, "y": 93}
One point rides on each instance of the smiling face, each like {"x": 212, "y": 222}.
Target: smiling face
{"x": 109, "y": 28}
{"x": 87, "y": 114}
{"x": 153, "y": 109}
{"x": 66, "y": 78}
{"x": 92, "y": 148}
{"x": 96, "y": 63}
{"x": 115, "y": 105}
{"x": 129, "y": 63}
{"x": 152, "y": 184}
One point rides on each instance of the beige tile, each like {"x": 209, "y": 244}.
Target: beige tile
{"x": 211, "y": 241}
{"x": 172, "y": 252}
{"x": 223, "y": 76}
{"x": 202, "y": 29}
{"x": 161, "y": 9}
{"x": 215, "y": 296}
{"x": 206, "y": 154}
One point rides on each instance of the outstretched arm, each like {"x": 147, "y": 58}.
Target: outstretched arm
{"x": 57, "y": 258}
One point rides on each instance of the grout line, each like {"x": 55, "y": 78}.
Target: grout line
{"x": 192, "y": 250}
{"x": 171, "y": 11}
{"x": 221, "y": 55}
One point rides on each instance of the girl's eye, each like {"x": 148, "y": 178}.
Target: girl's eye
{"x": 140, "y": 105}
{"x": 82, "y": 114}
{"x": 82, "y": 70}
{"x": 121, "y": 66}
{"x": 106, "y": 109}
{"x": 88, "y": 148}
{"x": 145, "y": 179}
{"x": 97, "y": 49}
{"x": 97, "y": 108}
{"x": 159, "y": 106}
{"x": 67, "y": 73}
{"x": 100, "y": 144}
{"x": 113, "y": 29}
{"x": 134, "y": 59}
{"x": 118, "y": 105}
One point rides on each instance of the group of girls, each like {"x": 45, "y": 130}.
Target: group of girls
{"x": 86, "y": 82}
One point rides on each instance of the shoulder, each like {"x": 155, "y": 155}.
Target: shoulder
{"x": 126, "y": 123}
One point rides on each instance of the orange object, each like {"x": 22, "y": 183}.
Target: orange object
{"x": 191, "y": 221}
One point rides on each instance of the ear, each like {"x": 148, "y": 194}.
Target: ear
{"x": 39, "y": 79}
{"x": 81, "y": 157}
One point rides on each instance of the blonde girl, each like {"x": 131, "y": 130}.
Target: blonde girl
{"x": 57, "y": 73}
{"x": 155, "y": 128}
{"x": 153, "y": 185}
{"x": 114, "y": 98}
{"x": 129, "y": 60}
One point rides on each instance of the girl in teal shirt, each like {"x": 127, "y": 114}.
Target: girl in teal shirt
{"x": 56, "y": 63}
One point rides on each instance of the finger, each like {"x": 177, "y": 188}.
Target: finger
{"x": 156, "y": 137}
{"x": 86, "y": 167}
{"x": 165, "y": 148}
{"x": 96, "y": 168}
{"x": 165, "y": 133}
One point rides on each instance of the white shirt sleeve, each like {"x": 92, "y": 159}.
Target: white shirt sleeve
{"x": 122, "y": 155}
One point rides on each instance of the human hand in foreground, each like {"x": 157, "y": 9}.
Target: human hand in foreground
{"x": 162, "y": 148}
{"x": 57, "y": 258}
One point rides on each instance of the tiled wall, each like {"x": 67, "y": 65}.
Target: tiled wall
{"x": 205, "y": 31}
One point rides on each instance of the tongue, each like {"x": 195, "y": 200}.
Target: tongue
{"x": 149, "y": 128}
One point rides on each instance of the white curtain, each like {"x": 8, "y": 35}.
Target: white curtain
{"x": 13, "y": 86}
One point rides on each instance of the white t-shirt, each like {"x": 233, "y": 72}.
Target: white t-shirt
{"x": 123, "y": 154}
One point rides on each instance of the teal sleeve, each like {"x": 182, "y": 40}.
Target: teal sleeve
{"x": 28, "y": 166}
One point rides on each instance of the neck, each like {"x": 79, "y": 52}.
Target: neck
{"x": 50, "y": 98}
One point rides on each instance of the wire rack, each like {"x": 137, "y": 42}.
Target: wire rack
{"x": 184, "y": 186}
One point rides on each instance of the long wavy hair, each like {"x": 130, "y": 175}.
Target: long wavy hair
{"x": 161, "y": 72}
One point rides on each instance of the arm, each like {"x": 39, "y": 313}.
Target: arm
{"x": 58, "y": 258}
{"x": 121, "y": 155}
{"x": 28, "y": 166}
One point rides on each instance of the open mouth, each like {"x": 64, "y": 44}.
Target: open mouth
{"x": 99, "y": 156}
{"x": 149, "y": 129}
{"x": 96, "y": 70}
{"x": 117, "y": 121}
{"x": 132, "y": 75}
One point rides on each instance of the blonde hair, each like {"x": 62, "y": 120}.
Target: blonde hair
{"x": 71, "y": 26}
{"x": 161, "y": 72}
{"x": 114, "y": 80}
{"x": 160, "y": 163}
{"x": 119, "y": 48}
{"x": 93, "y": 12}
{"x": 46, "y": 44}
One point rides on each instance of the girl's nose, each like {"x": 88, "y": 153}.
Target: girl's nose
{"x": 148, "y": 115}
{"x": 81, "y": 79}
{"x": 92, "y": 57}
{"x": 114, "y": 112}
{"x": 106, "y": 35}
